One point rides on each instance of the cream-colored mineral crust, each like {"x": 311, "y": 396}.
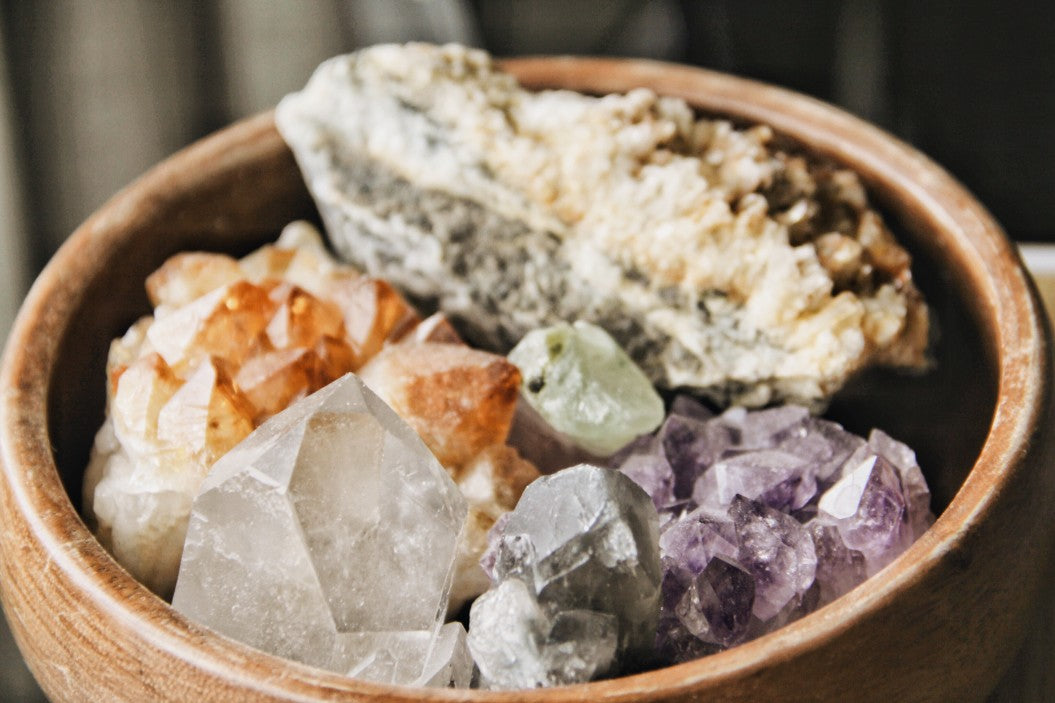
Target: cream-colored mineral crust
{"x": 722, "y": 263}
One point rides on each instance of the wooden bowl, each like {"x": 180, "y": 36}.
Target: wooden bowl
{"x": 941, "y": 623}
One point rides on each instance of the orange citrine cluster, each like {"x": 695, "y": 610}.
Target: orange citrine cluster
{"x": 233, "y": 342}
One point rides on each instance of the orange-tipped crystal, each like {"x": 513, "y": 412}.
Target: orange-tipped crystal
{"x": 301, "y": 319}
{"x": 374, "y": 313}
{"x": 207, "y": 416}
{"x": 460, "y": 400}
{"x": 188, "y": 276}
{"x": 272, "y": 380}
{"x": 231, "y": 343}
{"x": 223, "y": 323}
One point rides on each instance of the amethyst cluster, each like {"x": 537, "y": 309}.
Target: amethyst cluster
{"x": 766, "y": 516}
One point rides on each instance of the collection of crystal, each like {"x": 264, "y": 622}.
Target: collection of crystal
{"x": 347, "y": 530}
{"x": 306, "y": 465}
{"x": 766, "y": 516}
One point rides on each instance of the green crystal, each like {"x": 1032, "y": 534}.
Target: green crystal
{"x": 583, "y": 384}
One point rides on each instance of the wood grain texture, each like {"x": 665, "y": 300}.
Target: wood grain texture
{"x": 941, "y": 623}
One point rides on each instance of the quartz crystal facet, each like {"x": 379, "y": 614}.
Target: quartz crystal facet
{"x": 461, "y": 401}
{"x": 518, "y": 644}
{"x": 328, "y": 536}
{"x": 766, "y": 515}
{"x": 577, "y": 582}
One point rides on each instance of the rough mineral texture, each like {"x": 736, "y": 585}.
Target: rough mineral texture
{"x": 585, "y": 386}
{"x": 577, "y": 575}
{"x": 328, "y": 536}
{"x": 767, "y": 515}
{"x": 719, "y": 260}
{"x": 460, "y": 400}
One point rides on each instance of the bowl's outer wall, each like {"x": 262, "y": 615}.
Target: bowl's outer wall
{"x": 942, "y": 623}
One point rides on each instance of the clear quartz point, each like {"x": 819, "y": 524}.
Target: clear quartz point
{"x": 328, "y": 536}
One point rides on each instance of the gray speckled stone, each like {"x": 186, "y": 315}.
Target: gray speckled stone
{"x": 411, "y": 153}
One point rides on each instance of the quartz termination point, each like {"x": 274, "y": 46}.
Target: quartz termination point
{"x": 328, "y": 537}
{"x": 577, "y": 576}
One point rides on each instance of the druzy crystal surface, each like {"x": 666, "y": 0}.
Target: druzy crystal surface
{"x": 577, "y": 582}
{"x": 585, "y": 386}
{"x": 766, "y": 515}
{"x": 722, "y": 262}
{"x": 328, "y": 536}
{"x": 231, "y": 343}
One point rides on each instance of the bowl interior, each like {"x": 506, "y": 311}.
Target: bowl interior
{"x": 235, "y": 191}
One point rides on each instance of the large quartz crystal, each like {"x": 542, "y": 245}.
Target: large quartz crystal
{"x": 231, "y": 343}
{"x": 462, "y": 402}
{"x": 719, "y": 261}
{"x": 585, "y": 386}
{"x": 328, "y": 536}
{"x": 767, "y": 515}
{"x": 577, "y": 575}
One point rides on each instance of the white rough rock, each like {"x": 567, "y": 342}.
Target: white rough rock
{"x": 718, "y": 261}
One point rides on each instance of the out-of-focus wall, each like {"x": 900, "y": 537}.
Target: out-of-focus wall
{"x": 14, "y": 269}
{"x": 101, "y": 90}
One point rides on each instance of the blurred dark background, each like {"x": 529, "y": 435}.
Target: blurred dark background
{"x": 94, "y": 92}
